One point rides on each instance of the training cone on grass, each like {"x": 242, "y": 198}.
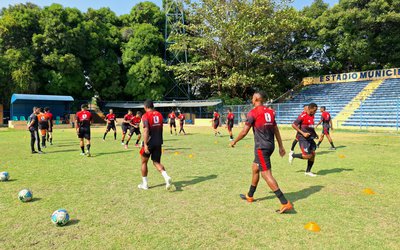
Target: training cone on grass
{"x": 216, "y": 142}
{"x": 342, "y": 156}
{"x": 190, "y": 156}
{"x": 368, "y": 191}
{"x": 312, "y": 226}
{"x": 176, "y": 153}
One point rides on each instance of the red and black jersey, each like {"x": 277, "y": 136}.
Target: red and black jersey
{"x": 127, "y": 118}
{"x": 230, "y": 117}
{"x": 50, "y": 116}
{"x": 172, "y": 116}
{"x": 153, "y": 120}
{"x": 216, "y": 117}
{"x": 43, "y": 119}
{"x": 136, "y": 121}
{"x": 111, "y": 118}
{"x": 84, "y": 119}
{"x": 181, "y": 118}
{"x": 262, "y": 119}
{"x": 306, "y": 123}
{"x": 325, "y": 118}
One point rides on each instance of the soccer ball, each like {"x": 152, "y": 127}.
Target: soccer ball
{"x": 4, "y": 176}
{"x": 25, "y": 195}
{"x": 60, "y": 217}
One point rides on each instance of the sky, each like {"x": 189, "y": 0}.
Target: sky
{"x": 120, "y": 7}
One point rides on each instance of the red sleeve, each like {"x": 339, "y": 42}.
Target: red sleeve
{"x": 250, "y": 119}
{"x": 299, "y": 120}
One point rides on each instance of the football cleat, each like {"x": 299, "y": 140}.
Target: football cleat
{"x": 143, "y": 186}
{"x": 83, "y": 154}
{"x": 246, "y": 197}
{"x": 168, "y": 185}
{"x": 285, "y": 207}
{"x": 291, "y": 157}
{"x": 310, "y": 174}
{"x": 88, "y": 154}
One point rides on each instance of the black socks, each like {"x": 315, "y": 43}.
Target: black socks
{"x": 280, "y": 196}
{"x": 252, "y": 190}
{"x": 300, "y": 156}
{"x": 293, "y": 145}
{"x": 309, "y": 165}
{"x": 83, "y": 149}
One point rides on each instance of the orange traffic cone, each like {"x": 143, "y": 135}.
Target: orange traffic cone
{"x": 312, "y": 226}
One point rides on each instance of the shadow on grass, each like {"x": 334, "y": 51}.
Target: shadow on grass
{"x": 298, "y": 195}
{"x": 110, "y": 153}
{"x": 60, "y": 151}
{"x": 173, "y": 149}
{"x": 324, "y": 152}
{"x": 35, "y": 199}
{"x": 11, "y": 180}
{"x": 182, "y": 184}
{"x": 333, "y": 171}
{"x": 72, "y": 222}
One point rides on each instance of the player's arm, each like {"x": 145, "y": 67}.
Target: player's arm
{"x": 296, "y": 127}
{"x": 319, "y": 123}
{"x": 242, "y": 134}
{"x": 278, "y": 137}
{"x": 30, "y": 124}
{"x": 76, "y": 124}
{"x": 146, "y": 138}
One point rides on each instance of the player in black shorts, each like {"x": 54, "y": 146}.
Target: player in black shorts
{"x": 171, "y": 121}
{"x": 304, "y": 125}
{"x": 135, "y": 125}
{"x": 126, "y": 125}
{"x": 262, "y": 120}
{"x": 326, "y": 121}
{"x": 111, "y": 121}
{"x": 296, "y": 140}
{"x": 83, "y": 120}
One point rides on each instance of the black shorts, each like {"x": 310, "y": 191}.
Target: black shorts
{"x": 43, "y": 126}
{"x": 325, "y": 130}
{"x": 125, "y": 128}
{"x": 216, "y": 125}
{"x": 230, "y": 126}
{"x": 172, "y": 124}
{"x": 155, "y": 153}
{"x": 307, "y": 147}
{"x": 134, "y": 130}
{"x": 111, "y": 126}
{"x": 84, "y": 133}
{"x": 262, "y": 157}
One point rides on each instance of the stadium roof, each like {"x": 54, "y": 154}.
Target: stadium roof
{"x": 164, "y": 104}
{"x": 56, "y": 98}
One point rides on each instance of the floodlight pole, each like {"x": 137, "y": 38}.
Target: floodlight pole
{"x": 174, "y": 25}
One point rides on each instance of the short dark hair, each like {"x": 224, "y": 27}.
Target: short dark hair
{"x": 312, "y": 105}
{"x": 229, "y": 109}
{"x": 305, "y": 105}
{"x": 84, "y": 106}
{"x": 262, "y": 94}
{"x": 129, "y": 110}
{"x": 46, "y": 109}
{"x": 139, "y": 113}
{"x": 149, "y": 104}
{"x": 323, "y": 107}
{"x": 34, "y": 108}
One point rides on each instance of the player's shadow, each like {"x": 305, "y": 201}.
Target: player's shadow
{"x": 60, "y": 151}
{"x": 72, "y": 222}
{"x": 298, "y": 195}
{"x": 35, "y": 199}
{"x": 110, "y": 153}
{"x": 333, "y": 171}
{"x": 179, "y": 185}
{"x": 324, "y": 152}
{"x": 173, "y": 149}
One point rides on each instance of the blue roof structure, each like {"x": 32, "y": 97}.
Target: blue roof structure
{"x": 25, "y": 97}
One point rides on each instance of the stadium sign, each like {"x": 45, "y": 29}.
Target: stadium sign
{"x": 354, "y": 76}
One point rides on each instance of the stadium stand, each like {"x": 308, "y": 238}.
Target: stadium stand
{"x": 380, "y": 109}
{"x": 334, "y": 96}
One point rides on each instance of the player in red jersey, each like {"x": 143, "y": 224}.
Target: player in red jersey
{"x": 50, "y": 130}
{"x": 296, "y": 140}
{"x": 111, "y": 121}
{"x": 215, "y": 122}
{"x": 181, "y": 118}
{"x": 171, "y": 121}
{"x": 262, "y": 120}
{"x": 229, "y": 123}
{"x": 152, "y": 144}
{"x": 135, "y": 124}
{"x": 304, "y": 125}
{"x": 44, "y": 125}
{"x": 83, "y": 120}
{"x": 326, "y": 121}
{"x": 126, "y": 125}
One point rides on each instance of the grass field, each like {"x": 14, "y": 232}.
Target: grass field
{"x": 109, "y": 212}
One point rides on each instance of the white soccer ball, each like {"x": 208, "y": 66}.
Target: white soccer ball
{"x": 60, "y": 217}
{"x": 4, "y": 176}
{"x": 25, "y": 195}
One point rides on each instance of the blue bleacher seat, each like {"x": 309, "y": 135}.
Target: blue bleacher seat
{"x": 15, "y": 118}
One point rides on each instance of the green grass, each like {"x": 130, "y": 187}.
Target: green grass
{"x": 109, "y": 212}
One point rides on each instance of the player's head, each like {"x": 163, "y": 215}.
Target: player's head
{"x": 259, "y": 98}
{"x": 84, "y": 107}
{"x": 36, "y": 110}
{"x": 229, "y": 110}
{"x": 322, "y": 109}
{"x": 312, "y": 108}
{"x": 111, "y": 111}
{"x": 139, "y": 114}
{"x": 130, "y": 111}
{"x": 47, "y": 109}
{"x": 148, "y": 105}
{"x": 215, "y": 111}
{"x": 173, "y": 112}
{"x": 305, "y": 107}
{"x": 41, "y": 110}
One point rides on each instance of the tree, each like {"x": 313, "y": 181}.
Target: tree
{"x": 146, "y": 79}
